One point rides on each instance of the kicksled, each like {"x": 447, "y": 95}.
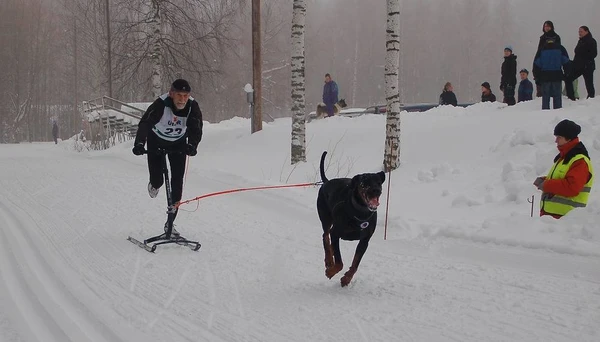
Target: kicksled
{"x": 167, "y": 237}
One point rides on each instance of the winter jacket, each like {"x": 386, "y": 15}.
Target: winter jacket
{"x": 330, "y": 95}
{"x": 448, "y": 98}
{"x": 574, "y": 180}
{"x": 585, "y": 53}
{"x": 525, "y": 90}
{"x": 55, "y": 130}
{"x": 169, "y": 125}
{"x": 550, "y": 34}
{"x": 509, "y": 72}
{"x": 488, "y": 98}
{"x": 549, "y": 62}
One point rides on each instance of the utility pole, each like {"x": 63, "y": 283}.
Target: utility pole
{"x": 109, "y": 43}
{"x": 256, "y": 67}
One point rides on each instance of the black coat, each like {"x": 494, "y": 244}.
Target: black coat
{"x": 488, "y": 98}
{"x": 546, "y": 35}
{"x": 509, "y": 72}
{"x": 155, "y": 112}
{"x": 585, "y": 52}
{"x": 448, "y": 98}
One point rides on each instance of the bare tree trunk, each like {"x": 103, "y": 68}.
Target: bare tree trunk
{"x": 256, "y": 67}
{"x": 391, "y": 159}
{"x": 157, "y": 53}
{"x": 298, "y": 83}
{"x": 109, "y": 47}
{"x": 355, "y": 66}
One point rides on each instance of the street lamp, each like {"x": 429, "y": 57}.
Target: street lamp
{"x": 250, "y": 99}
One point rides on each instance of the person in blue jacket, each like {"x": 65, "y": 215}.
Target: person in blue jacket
{"x": 525, "y": 86}
{"x": 548, "y": 67}
{"x": 330, "y": 94}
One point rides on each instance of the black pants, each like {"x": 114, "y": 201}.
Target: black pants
{"x": 588, "y": 77}
{"x": 176, "y": 163}
{"x": 509, "y": 95}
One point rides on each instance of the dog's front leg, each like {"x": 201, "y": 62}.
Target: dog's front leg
{"x": 328, "y": 250}
{"x": 360, "y": 251}
{"x": 338, "y": 265}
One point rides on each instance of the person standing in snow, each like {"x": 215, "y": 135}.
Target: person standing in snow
{"x": 486, "y": 93}
{"x": 548, "y": 32}
{"x": 174, "y": 122}
{"x": 330, "y": 94}
{"x": 569, "y": 181}
{"x": 549, "y": 65}
{"x": 508, "y": 80}
{"x": 448, "y": 97}
{"x": 583, "y": 63}
{"x": 525, "y": 87}
{"x": 55, "y": 132}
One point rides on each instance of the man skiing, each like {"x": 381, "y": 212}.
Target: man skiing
{"x": 172, "y": 122}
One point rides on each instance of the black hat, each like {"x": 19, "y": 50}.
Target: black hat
{"x": 524, "y": 70}
{"x": 486, "y": 85}
{"x": 567, "y": 129}
{"x": 181, "y": 85}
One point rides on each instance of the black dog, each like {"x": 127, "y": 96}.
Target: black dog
{"x": 347, "y": 209}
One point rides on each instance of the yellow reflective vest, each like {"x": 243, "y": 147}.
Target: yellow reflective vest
{"x": 560, "y": 205}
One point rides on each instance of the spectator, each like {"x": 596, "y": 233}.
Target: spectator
{"x": 583, "y": 63}
{"x": 548, "y": 71}
{"x": 447, "y": 97}
{"x": 525, "y": 87}
{"x": 330, "y": 94}
{"x": 570, "y": 179}
{"x": 548, "y": 32}
{"x": 486, "y": 93}
{"x": 575, "y": 89}
{"x": 55, "y": 132}
{"x": 508, "y": 81}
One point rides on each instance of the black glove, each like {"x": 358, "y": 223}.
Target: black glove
{"x": 190, "y": 150}
{"x": 539, "y": 183}
{"x": 138, "y": 149}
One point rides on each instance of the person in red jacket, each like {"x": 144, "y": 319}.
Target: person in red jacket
{"x": 568, "y": 183}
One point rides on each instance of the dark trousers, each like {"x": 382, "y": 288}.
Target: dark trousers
{"x": 552, "y": 90}
{"x": 588, "y": 77}
{"x": 509, "y": 95}
{"x": 176, "y": 163}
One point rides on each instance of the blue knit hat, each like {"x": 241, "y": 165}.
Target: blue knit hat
{"x": 508, "y": 47}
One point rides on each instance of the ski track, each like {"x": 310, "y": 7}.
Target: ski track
{"x": 235, "y": 290}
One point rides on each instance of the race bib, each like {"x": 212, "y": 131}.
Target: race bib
{"x": 170, "y": 127}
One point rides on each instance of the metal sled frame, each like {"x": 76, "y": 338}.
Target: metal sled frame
{"x": 151, "y": 243}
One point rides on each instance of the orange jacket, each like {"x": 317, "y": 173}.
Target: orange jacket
{"x": 574, "y": 180}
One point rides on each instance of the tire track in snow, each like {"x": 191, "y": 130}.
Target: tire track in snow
{"x": 54, "y": 311}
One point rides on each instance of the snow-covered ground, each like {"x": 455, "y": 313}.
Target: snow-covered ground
{"x": 463, "y": 259}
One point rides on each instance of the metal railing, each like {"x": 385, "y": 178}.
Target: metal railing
{"x": 106, "y": 128}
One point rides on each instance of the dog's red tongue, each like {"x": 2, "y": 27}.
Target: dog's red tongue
{"x": 374, "y": 202}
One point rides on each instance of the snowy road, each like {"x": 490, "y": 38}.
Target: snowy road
{"x": 68, "y": 273}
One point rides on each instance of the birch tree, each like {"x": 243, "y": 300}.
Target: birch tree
{"x": 167, "y": 39}
{"x": 298, "y": 83}
{"x": 391, "y": 156}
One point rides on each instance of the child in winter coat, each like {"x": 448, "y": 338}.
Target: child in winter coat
{"x": 525, "y": 87}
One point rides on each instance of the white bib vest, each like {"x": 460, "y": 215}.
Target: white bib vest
{"x": 171, "y": 127}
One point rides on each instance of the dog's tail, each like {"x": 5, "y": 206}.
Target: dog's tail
{"x": 322, "y": 167}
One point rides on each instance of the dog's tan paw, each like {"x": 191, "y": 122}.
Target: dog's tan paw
{"x": 347, "y": 278}
{"x": 333, "y": 270}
